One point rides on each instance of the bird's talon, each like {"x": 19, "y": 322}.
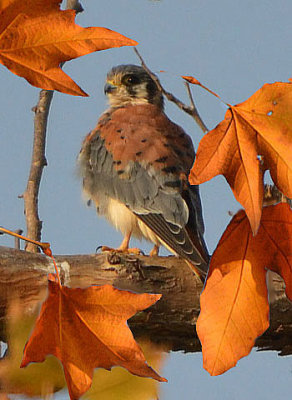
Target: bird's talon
{"x": 106, "y": 248}
{"x": 98, "y": 248}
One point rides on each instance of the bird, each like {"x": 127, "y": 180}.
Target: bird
{"x": 135, "y": 165}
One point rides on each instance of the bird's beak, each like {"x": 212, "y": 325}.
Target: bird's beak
{"x": 109, "y": 88}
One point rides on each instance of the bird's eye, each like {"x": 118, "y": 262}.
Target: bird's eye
{"x": 130, "y": 80}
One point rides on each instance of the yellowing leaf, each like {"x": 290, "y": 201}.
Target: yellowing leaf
{"x": 36, "y": 379}
{"x": 120, "y": 384}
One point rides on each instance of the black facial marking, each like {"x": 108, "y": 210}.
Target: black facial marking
{"x": 173, "y": 184}
{"x": 131, "y": 91}
{"x": 151, "y": 90}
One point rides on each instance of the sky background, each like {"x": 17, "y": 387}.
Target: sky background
{"x": 232, "y": 47}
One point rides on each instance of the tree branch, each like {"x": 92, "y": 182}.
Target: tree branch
{"x": 191, "y": 110}
{"x": 170, "y": 321}
{"x": 38, "y": 161}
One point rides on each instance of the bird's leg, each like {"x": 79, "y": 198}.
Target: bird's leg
{"x": 154, "y": 251}
{"x": 124, "y": 246}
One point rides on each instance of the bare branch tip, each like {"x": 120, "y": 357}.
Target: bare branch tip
{"x": 191, "y": 110}
{"x": 74, "y": 5}
{"x": 138, "y": 54}
{"x": 187, "y": 85}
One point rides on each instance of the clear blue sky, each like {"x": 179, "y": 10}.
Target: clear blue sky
{"x": 231, "y": 46}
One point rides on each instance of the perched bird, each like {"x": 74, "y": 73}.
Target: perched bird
{"x": 135, "y": 167}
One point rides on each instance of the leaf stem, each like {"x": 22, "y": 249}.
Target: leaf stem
{"x": 45, "y": 246}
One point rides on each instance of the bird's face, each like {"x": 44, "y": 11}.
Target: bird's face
{"x": 131, "y": 84}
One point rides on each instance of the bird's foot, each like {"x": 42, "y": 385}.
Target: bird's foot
{"x": 134, "y": 250}
{"x": 123, "y": 250}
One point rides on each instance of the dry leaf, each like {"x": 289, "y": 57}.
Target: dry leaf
{"x": 120, "y": 384}
{"x": 86, "y": 329}
{"x": 36, "y": 37}
{"x": 234, "y": 303}
{"x": 255, "y": 135}
{"x": 10, "y": 9}
{"x": 275, "y": 241}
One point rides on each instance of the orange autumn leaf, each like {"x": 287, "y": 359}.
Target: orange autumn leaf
{"x": 119, "y": 384}
{"x": 234, "y": 303}
{"x": 276, "y": 241}
{"x": 9, "y": 9}
{"x": 255, "y": 136}
{"x": 36, "y": 37}
{"x": 87, "y": 329}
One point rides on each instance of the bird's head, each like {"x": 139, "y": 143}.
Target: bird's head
{"x": 131, "y": 84}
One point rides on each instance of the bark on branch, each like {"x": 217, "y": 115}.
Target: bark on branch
{"x": 38, "y": 162}
{"x": 171, "y": 321}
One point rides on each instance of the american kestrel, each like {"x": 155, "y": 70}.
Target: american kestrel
{"x": 135, "y": 167}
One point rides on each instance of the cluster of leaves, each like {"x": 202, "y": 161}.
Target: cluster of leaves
{"x": 255, "y": 136}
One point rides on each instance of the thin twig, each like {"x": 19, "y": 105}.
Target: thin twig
{"x": 45, "y": 246}
{"x": 191, "y": 110}
{"x": 187, "y": 85}
{"x": 17, "y": 240}
{"x": 38, "y": 161}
